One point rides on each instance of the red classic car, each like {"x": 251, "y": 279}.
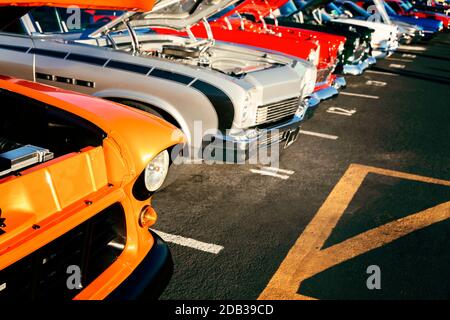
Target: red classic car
{"x": 243, "y": 24}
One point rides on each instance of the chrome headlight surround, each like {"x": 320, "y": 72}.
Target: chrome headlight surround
{"x": 153, "y": 176}
{"x": 156, "y": 171}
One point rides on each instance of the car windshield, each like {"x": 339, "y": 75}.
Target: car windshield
{"x": 334, "y": 10}
{"x": 389, "y": 9}
{"x": 178, "y": 7}
{"x": 288, "y": 8}
{"x": 356, "y": 10}
{"x": 69, "y": 20}
{"x": 225, "y": 11}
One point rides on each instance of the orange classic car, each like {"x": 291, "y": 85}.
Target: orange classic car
{"x": 76, "y": 179}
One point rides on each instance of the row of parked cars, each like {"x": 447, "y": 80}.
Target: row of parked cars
{"x": 78, "y": 170}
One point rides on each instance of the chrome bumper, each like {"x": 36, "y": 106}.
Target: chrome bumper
{"x": 238, "y": 148}
{"x": 326, "y": 93}
{"x": 357, "y": 69}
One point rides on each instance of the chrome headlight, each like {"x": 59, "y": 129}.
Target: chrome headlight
{"x": 156, "y": 171}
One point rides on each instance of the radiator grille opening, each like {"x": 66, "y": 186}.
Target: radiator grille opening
{"x": 278, "y": 110}
{"x": 93, "y": 246}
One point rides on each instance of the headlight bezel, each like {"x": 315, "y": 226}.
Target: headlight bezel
{"x": 157, "y": 169}
{"x": 140, "y": 190}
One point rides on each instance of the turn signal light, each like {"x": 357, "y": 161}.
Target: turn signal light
{"x": 147, "y": 217}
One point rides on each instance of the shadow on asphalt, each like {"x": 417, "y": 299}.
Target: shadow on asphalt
{"x": 383, "y": 199}
{"x": 413, "y": 267}
{"x": 416, "y": 75}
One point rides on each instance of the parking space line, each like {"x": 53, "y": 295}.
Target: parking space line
{"x": 341, "y": 111}
{"x": 269, "y": 173}
{"x": 376, "y": 83}
{"x": 279, "y": 170}
{"x": 398, "y": 59}
{"x": 382, "y": 73}
{"x": 320, "y": 135}
{"x": 359, "y": 95}
{"x": 412, "y": 48}
{"x": 397, "y": 66}
{"x": 191, "y": 243}
{"x": 409, "y": 55}
{"x": 307, "y": 258}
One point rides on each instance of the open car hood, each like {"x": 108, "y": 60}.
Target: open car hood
{"x": 174, "y": 14}
{"x": 11, "y": 11}
{"x": 258, "y": 8}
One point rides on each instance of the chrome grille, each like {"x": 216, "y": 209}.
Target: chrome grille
{"x": 277, "y": 110}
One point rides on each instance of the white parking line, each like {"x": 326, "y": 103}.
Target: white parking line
{"x": 341, "y": 111}
{"x": 412, "y": 48}
{"x": 376, "y": 83}
{"x": 320, "y": 135}
{"x": 408, "y": 55}
{"x": 359, "y": 95}
{"x": 397, "y": 59}
{"x": 278, "y": 170}
{"x": 381, "y": 72}
{"x": 191, "y": 243}
{"x": 397, "y": 66}
{"x": 269, "y": 173}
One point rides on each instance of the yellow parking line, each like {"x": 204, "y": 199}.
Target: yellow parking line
{"x": 306, "y": 258}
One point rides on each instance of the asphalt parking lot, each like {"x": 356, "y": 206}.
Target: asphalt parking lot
{"x": 373, "y": 188}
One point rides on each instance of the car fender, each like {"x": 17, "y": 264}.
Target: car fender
{"x": 181, "y": 115}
